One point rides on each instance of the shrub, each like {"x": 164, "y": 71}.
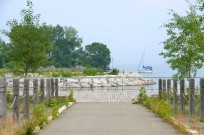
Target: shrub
{"x": 66, "y": 73}
{"x": 28, "y": 127}
{"x": 90, "y": 71}
{"x": 71, "y": 97}
{"x": 2, "y": 72}
{"x": 115, "y": 71}
{"x": 39, "y": 115}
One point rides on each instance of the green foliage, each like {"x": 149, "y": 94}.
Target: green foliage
{"x": 114, "y": 71}
{"x": 28, "y": 127}
{"x": 142, "y": 96}
{"x": 66, "y": 42}
{"x": 29, "y": 42}
{"x": 71, "y": 96}
{"x": 39, "y": 115}
{"x": 90, "y": 71}
{"x": 97, "y": 55}
{"x": 184, "y": 46}
{"x": 66, "y": 72}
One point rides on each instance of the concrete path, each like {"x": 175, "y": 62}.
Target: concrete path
{"x": 108, "y": 119}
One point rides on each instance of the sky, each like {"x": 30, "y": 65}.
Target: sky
{"x": 127, "y": 27}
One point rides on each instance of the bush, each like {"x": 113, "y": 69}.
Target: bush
{"x": 141, "y": 97}
{"x": 39, "y": 115}
{"x": 28, "y": 127}
{"x": 71, "y": 97}
{"x": 90, "y": 71}
{"x": 66, "y": 73}
{"x": 115, "y": 71}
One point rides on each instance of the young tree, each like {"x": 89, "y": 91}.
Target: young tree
{"x": 29, "y": 42}
{"x": 98, "y": 55}
{"x": 185, "y": 45}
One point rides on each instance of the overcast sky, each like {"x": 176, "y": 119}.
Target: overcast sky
{"x": 127, "y": 27}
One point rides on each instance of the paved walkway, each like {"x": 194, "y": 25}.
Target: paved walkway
{"x": 108, "y": 119}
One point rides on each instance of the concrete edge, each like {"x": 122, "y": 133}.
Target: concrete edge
{"x": 50, "y": 118}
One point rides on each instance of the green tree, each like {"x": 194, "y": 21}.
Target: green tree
{"x": 29, "y": 42}
{"x": 2, "y": 43}
{"x": 185, "y": 45}
{"x": 98, "y": 55}
{"x": 67, "y": 42}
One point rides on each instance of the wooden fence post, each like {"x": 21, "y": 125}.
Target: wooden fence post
{"x": 26, "y": 98}
{"x": 52, "y": 87}
{"x": 164, "y": 85}
{"x": 202, "y": 99}
{"x": 160, "y": 88}
{"x": 48, "y": 81}
{"x": 35, "y": 91}
{"x": 175, "y": 89}
{"x": 42, "y": 90}
{"x": 191, "y": 97}
{"x": 3, "y": 97}
{"x": 56, "y": 87}
{"x": 16, "y": 99}
{"x": 169, "y": 90}
{"x": 182, "y": 94}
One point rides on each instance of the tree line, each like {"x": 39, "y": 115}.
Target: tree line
{"x": 184, "y": 47}
{"x": 33, "y": 45}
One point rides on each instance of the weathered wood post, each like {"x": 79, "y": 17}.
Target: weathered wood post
{"x": 160, "y": 88}
{"x": 56, "y": 87}
{"x": 175, "y": 91}
{"x": 26, "y": 98}
{"x": 42, "y": 90}
{"x": 192, "y": 97}
{"x": 16, "y": 99}
{"x": 169, "y": 90}
{"x": 52, "y": 87}
{"x": 182, "y": 94}
{"x": 48, "y": 81}
{"x": 35, "y": 91}
{"x": 2, "y": 97}
{"x": 202, "y": 99}
{"x": 164, "y": 85}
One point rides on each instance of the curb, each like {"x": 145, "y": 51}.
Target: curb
{"x": 49, "y": 118}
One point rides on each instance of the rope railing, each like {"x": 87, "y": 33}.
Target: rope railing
{"x": 184, "y": 96}
{"x": 14, "y": 100}
{"x": 194, "y": 98}
{"x": 41, "y": 93}
{"x": 33, "y": 96}
{"x": 22, "y": 96}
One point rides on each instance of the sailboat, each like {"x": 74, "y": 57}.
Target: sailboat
{"x": 144, "y": 69}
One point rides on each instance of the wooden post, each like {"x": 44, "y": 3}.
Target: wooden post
{"x": 48, "y": 81}
{"x": 168, "y": 90}
{"x": 56, "y": 87}
{"x": 164, "y": 85}
{"x": 175, "y": 89}
{"x": 16, "y": 99}
{"x": 182, "y": 94}
{"x": 2, "y": 97}
{"x": 202, "y": 99}
{"x": 160, "y": 88}
{"x": 52, "y": 87}
{"x": 191, "y": 97}
{"x": 35, "y": 91}
{"x": 26, "y": 98}
{"x": 42, "y": 90}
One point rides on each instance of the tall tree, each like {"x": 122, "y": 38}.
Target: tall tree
{"x": 2, "y": 43}
{"x": 67, "y": 42}
{"x": 185, "y": 45}
{"x": 98, "y": 55}
{"x": 29, "y": 41}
